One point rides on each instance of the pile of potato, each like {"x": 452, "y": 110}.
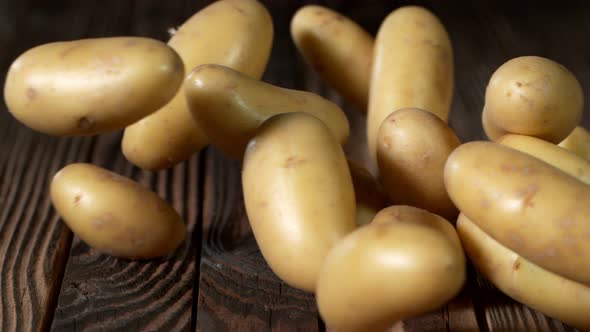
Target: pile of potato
{"x": 323, "y": 223}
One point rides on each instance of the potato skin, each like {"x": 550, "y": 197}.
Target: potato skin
{"x": 405, "y": 263}
{"x": 91, "y": 86}
{"x": 114, "y": 214}
{"x": 536, "y": 97}
{"x": 413, "y": 146}
{"x": 553, "y": 295}
{"x": 578, "y": 142}
{"x": 525, "y": 204}
{"x": 412, "y": 67}
{"x": 338, "y": 49}
{"x": 234, "y": 33}
{"x": 298, "y": 195}
{"x": 230, "y": 106}
{"x": 550, "y": 153}
{"x": 369, "y": 194}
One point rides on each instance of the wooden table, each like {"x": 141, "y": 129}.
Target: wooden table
{"x": 218, "y": 281}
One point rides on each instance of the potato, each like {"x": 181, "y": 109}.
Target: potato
{"x": 524, "y": 281}
{"x": 230, "y": 106}
{"x": 578, "y": 142}
{"x": 551, "y": 154}
{"x": 370, "y": 197}
{"x": 534, "y": 96}
{"x": 298, "y": 195}
{"x": 115, "y": 215}
{"x": 525, "y": 204}
{"x": 412, "y": 67}
{"x": 405, "y": 263}
{"x": 492, "y": 131}
{"x": 338, "y": 49}
{"x": 412, "y": 148}
{"x": 234, "y": 33}
{"x": 91, "y": 86}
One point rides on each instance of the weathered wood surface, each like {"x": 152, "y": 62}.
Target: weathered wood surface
{"x": 218, "y": 280}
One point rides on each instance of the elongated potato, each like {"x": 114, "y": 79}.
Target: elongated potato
{"x": 115, "y": 215}
{"x": 338, "y": 49}
{"x": 551, "y": 154}
{"x": 230, "y": 106}
{"x": 553, "y": 295}
{"x": 91, "y": 86}
{"x": 413, "y": 146}
{"x": 234, "y": 33}
{"x": 525, "y": 204}
{"x": 412, "y": 67}
{"x": 578, "y": 142}
{"x": 534, "y": 96}
{"x": 298, "y": 195}
{"x": 405, "y": 263}
{"x": 370, "y": 197}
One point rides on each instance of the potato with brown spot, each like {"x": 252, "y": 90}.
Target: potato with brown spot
{"x": 551, "y": 154}
{"x": 578, "y": 142}
{"x": 298, "y": 195}
{"x": 412, "y": 67}
{"x": 413, "y": 146}
{"x": 114, "y": 214}
{"x": 369, "y": 194}
{"x": 529, "y": 200}
{"x": 517, "y": 277}
{"x": 234, "y": 33}
{"x": 91, "y": 86}
{"x": 532, "y": 96}
{"x": 337, "y": 48}
{"x": 405, "y": 263}
{"x": 230, "y": 106}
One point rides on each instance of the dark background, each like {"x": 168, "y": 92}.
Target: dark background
{"x": 218, "y": 281}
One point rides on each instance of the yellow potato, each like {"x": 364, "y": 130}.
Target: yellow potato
{"x": 91, "y": 86}
{"x": 370, "y": 197}
{"x": 405, "y": 263}
{"x": 492, "y": 131}
{"x": 298, "y": 195}
{"x": 412, "y": 148}
{"x": 338, "y": 49}
{"x": 578, "y": 142}
{"x": 524, "y": 281}
{"x": 115, "y": 215}
{"x": 534, "y": 96}
{"x": 412, "y": 67}
{"x": 230, "y": 106}
{"x": 551, "y": 154}
{"x": 525, "y": 204}
{"x": 234, "y": 33}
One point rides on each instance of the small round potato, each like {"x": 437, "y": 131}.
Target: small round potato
{"x": 578, "y": 142}
{"x": 405, "y": 263}
{"x": 412, "y": 67}
{"x": 234, "y": 33}
{"x": 412, "y": 148}
{"x": 534, "y": 96}
{"x": 552, "y": 294}
{"x": 115, "y": 215}
{"x": 529, "y": 206}
{"x": 551, "y": 154}
{"x": 370, "y": 197}
{"x": 298, "y": 194}
{"x": 230, "y": 106}
{"x": 339, "y": 50}
{"x": 91, "y": 86}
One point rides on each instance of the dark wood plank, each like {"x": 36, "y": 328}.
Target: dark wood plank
{"x": 154, "y": 295}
